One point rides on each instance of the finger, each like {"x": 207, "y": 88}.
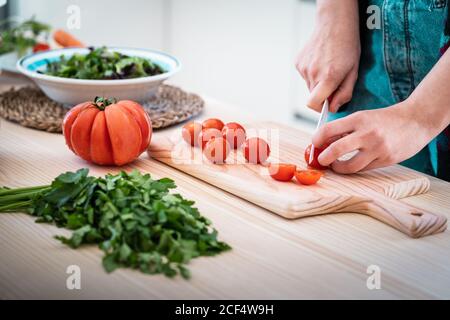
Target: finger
{"x": 303, "y": 71}
{"x": 357, "y": 163}
{"x": 301, "y": 68}
{"x": 311, "y": 85}
{"x": 339, "y": 148}
{"x": 377, "y": 163}
{"x": 344, "y": 93}
{"x": 335, "y": 128}
{"x": 321, "y": 92}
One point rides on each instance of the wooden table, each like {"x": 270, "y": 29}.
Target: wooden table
{"x": 272, "y": 258}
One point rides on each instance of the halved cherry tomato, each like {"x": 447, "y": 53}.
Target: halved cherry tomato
{"x": 190, "y": 132}
{"x": 308, "y": 177}
{"x": 282, "y": 171}
{"x": 217, "y": 150}
{"x": 256, "y": 150}
{"x": 213, "y": 123}
{"x": 234, "y": 133}
{"x": 206, "y": 135}
{"x": 315, "y": 163}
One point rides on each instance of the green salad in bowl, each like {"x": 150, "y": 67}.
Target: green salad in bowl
{"x": 74, "y": 75}
{"x": 102, "y": 64}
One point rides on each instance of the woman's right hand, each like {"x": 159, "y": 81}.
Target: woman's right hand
{"x": 329, "y": 61}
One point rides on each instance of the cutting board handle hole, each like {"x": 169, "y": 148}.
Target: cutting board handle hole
{"x": 417, "y": 214}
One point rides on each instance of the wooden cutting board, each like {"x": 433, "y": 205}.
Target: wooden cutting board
{"x": 374, "y": 193}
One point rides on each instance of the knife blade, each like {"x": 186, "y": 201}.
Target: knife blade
{"x": 322, "y": 120}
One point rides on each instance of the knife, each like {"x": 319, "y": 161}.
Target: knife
{"x": 322, "y": 119}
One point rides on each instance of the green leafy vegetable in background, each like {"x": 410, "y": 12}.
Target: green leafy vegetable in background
{"x": 135, "y": 220}
{"x": 102, "y": 64}
{"x": 21, "y": 37}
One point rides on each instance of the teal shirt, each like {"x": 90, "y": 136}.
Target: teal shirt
{"x": 394, "y": 60}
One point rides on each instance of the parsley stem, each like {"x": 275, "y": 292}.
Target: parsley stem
{"x": 20, "y": 190}
{"x": 15, "y": 206}
{"x": 20, "y": 196}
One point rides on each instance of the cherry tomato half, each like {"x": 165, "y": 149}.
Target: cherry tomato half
{"x": 308, "y": 177}
{"x": 282, "y": 171}
{"x": 217, "y": 150}
{"x": 206, "y": 135}
{"x": 256, "y": 150}
{"x": 213, "y": 123}
{"x": 190, "y": 132}
{"x": 234, "y": 133}
{"x": 315, "y": 163}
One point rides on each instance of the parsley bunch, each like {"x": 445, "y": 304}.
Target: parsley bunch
{"x": 134, "y": 219}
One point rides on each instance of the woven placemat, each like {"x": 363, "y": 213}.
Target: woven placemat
{"x": 30, "y": 107}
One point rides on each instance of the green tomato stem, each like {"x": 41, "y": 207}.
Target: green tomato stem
{"x": 101, "y": 102}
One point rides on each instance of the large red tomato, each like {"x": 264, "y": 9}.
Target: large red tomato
{"x": 107, "y": 132}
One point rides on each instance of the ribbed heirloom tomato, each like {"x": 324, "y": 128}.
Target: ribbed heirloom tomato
{"x": 107, "y": 132}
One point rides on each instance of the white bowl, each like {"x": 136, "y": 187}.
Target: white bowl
{"x": 73, "y": 91}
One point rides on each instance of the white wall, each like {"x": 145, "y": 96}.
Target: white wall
{"x": 239, "y": 51}
{"x": 137, "y": 23}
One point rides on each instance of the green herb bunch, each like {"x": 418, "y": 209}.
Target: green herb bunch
{"x": 22, "y": 37}
{"x": 102, "y": 64}
{"x": 135, "y": 220}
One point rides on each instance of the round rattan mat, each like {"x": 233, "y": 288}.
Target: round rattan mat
{"x": 30, "y": 107}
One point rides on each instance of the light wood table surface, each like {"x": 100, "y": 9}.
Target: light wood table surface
{"x": 272, "y": 258}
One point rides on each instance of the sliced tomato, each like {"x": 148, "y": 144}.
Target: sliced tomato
{"x": 190, "y": 133}
{"x": 234, "y": 133}
{"x": 256, "y": 150}
{"x": 315, "y": 163}
{"x": 217, "y": 150}
{"x": 282, "y": 171}
{"x": 206, "y": 135}
{"x": 308, "y": 177}
{"x": 213, "y": 123}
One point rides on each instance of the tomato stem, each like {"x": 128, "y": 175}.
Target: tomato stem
{"x": 102, "y": 103}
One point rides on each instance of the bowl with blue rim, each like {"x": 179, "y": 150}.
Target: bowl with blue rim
{"x": 74, "y": 75}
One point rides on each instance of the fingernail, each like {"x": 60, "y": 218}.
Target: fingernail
{"x": 320, "y": 158}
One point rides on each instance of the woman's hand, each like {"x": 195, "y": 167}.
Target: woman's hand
{"x": 382, "y": 137}
{"x": 329, "y": 61}
{"x": 390, "y": 135}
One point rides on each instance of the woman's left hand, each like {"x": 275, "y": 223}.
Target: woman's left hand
{"x": 382, "y": 136}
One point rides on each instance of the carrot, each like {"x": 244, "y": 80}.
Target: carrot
{"x": 65, "y": 39}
